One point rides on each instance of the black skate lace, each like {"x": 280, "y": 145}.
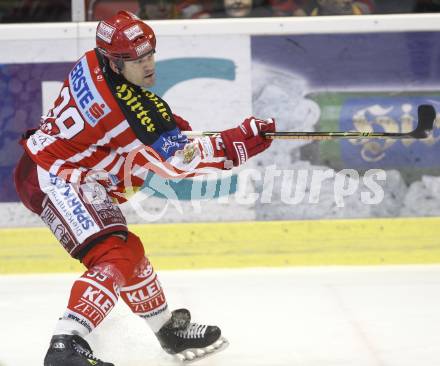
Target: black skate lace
{"x": 193, "y": 330}
{"x": 85, "y": 353}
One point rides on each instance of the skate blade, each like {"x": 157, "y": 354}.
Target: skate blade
{"x": 194, "y": 354}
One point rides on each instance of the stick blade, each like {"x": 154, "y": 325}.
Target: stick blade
{"x": 426, "y": 115}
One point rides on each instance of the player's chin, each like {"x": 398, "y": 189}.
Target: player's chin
{"x": 149, "y": 80}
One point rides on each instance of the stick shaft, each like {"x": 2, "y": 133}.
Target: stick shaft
{"x": 287, "y": 135}
{"x": 335, "y": 135}
{"x": 426, "y": 116}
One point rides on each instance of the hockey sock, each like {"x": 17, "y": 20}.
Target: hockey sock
{"x": 92, "y": 298}
{"x": 145, "y": 297}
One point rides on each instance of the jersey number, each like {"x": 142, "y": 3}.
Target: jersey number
{"x": 68, "y": 120}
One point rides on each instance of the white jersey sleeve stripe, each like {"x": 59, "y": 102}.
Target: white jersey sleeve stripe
{"x": 117, "y": 166}
{"x": 130, "y": 147}
{"x": 113, "y": 133}
{"x": 76, "y": 174}
{"x": 56, "y": 166}
{"x": 160, "y": 168}
{"x": 121, "y": 127}
{"x": 112, "y": 155}
{"x": 106, "y": 161}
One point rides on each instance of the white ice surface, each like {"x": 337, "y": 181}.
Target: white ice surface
{"x": 320, "y": 316}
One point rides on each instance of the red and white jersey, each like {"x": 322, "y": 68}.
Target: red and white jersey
{"x": 86, "y": 136}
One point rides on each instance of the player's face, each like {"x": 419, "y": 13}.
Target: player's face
{"x": 140, "y": 72}
{"x": 237, "y": 8}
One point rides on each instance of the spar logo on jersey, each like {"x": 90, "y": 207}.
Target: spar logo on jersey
{"x": 87, "y": 98}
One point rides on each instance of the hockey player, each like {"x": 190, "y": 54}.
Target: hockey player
{"x": 76, "y": 168}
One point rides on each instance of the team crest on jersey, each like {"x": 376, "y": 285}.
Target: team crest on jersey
{"x": 190, "y": 151}
{"x": 87, "y": 98}
{"x": 169, "y": 142}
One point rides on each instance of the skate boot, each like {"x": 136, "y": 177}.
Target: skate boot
{"x": 71, "y": 350}
{"x": 189, "y": 341}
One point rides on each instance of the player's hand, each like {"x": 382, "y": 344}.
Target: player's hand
{"x": 246, "y": 140}
{"x": 183, "y": 124}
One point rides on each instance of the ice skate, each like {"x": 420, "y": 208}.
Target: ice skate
{"x": 71, "y": 350}
{"x": 190, "y": 341}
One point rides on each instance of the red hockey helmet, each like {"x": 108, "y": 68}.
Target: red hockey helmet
{"x": 124, "y": 36}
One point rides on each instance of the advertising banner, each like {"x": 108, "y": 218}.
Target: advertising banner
{"x": 309, "y": 82}
{"x": 206, "y": 83}
{"x": 360, "y": 82}
{"x": 349, "y": 82}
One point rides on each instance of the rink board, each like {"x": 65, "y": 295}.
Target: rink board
{"x": 245, "y": 244}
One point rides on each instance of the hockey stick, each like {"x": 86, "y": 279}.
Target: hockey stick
{"x": 426, "y": 116}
